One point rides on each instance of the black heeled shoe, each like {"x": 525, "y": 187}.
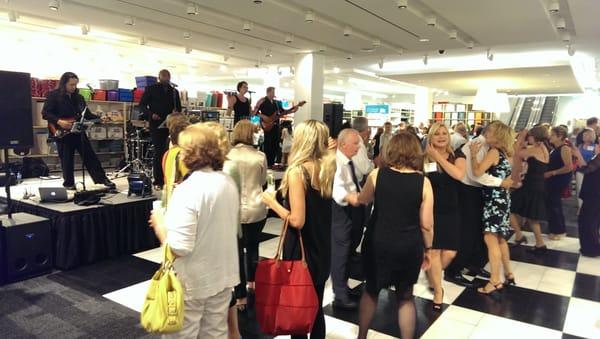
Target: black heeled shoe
{"x": 436, "y": 306}
{"x": 495, "y": 293}
{"x": 521, "y": 241}
{"x": 509, "y": 280}
{"x": 538, "y": 250}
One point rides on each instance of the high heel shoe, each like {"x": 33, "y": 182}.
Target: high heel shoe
{"x": 436, "y": 306}
{"x": 494, "y": 293}
{"x": 521, "y": 241}
{"x": 538, "y": 250}
{"x": 509, "y": 280}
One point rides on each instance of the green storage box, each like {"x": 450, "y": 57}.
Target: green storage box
{"x": 86, "y": 93}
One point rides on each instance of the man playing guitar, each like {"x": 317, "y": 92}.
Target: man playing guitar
{"x": 62, "y": 109}
{"x": 270, "y": 111}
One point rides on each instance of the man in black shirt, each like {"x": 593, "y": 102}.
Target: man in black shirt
{"x": 158, "y": 101}
{"x": 62, "y": 107}
{"x": 269, "y": 111}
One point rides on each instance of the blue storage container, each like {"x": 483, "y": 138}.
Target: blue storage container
{"x": 125, "y": 95}
{"x": 145, "y": 81}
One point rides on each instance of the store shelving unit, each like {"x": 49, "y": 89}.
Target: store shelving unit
{"x": 452, "y": 113}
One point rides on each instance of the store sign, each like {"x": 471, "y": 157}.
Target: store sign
{"x": 377, "y": 109}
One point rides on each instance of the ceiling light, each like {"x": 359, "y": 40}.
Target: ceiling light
{"x": 380, "y": 64}
{"x": 247, "y": 26}
{"x": 309, "y": 17}
{"x": 425, "y": 59}
{"x": 453, "y": 34}
{"x": 402, "y": 4}
{"x": 187, "y": 35}
{"x": 258, "y": 2}
{"x": 12, "y": 16}
{"x": 143, "y": 41}
{"x": 336, "y": 69}
{"x": 347, "y": 31}
{"x": 566, "y": 37}
{"x": 85, "y": 29}
{"x": 188, "y": 50}
{"x": 192, "y": 9}
{"x": 376, "y": 43}
{"x": 554, "y": 6}
{"x": 225, "y": 58}
{"x": 489, "y": 55}
{"x": 470, "y": 45}
{"x": 129, "y": 21}
{"x": 231, "y": 45}
{"x": 561, "y": 23}
{"x": 431, "y": 21}
{"x": 289, "y": 39}
{"x": 268, "y": 53}
{"x": 322, "y": 49}
{"x": 423, "y": 40}
{"x": 349, "y": 57}
{"x": 54, "y": 5}
{"x": 570, "y": 50}
{"x": 223, "y": 68}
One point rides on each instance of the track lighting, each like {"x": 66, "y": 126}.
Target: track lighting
{"x": 570, "y": 50}
{"x": 347, "y": 31}
{"x": 247, "y": 26}
{"x": 231, "y": 45}
{"x": 309, "y": 17}
{"x": 129, "y": 21}
{"x": 54, "y": 5}
{"x": 143, "y": 41}
{"x": 187, "y": 35}
{"x": 470, "y": 45}
{"x": 380, "y": 64}
{"x": 554, "y": 6}
{"x": 453, "y": 34}
{"x": 289, "y": 39}
{"x": 188, "y": 50}
{"x": 192, "y": 9}
{"x": 402, "y": 4}
{"x": 423, "y": 39}
{"x": 12, "y": 16}
{"x": 376, "y": 43}
{"x": 85, "y": 29}
{"x": 431, "y": 21}
{"x": 489, "y": 55}
{"x": 561, "y": 24}
{"x": 425, "y": 59}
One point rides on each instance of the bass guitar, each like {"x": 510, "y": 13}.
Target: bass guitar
{"x": 268, "y": 122}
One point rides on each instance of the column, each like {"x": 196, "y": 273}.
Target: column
{"x": 423, "y": 105}
{"x": 309, "y": 86}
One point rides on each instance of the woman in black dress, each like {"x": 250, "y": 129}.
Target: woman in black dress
{"x": 444, "y": 168}
{"x": 307, "y": 186}
{"x": 400, "y": 232}
{"x": 589, "y": 218}
{"x": 558, "y": 176}
{"x": 239, "y": 104}
{"x": 528, "y": 200}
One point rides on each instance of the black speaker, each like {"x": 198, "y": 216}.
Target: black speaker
{"x": 333, "y": 116}
{"x": 15, "y": 110}
{"x": 26, "y": 247}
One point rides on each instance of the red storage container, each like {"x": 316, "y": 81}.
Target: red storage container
{"x": 137, "y": 94}
{"x": 112, "y": 95}
{"x": 35, "y": 87}
{"x": 99, "y": 94}
{"x": 219, "y": 99}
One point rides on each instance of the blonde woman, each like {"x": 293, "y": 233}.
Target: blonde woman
{"x": 307, "y": 187}
{"x": 445, "y": 169}
{"x": 496, "y": 202}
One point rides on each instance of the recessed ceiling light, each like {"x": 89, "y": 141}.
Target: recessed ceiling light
{"x": 402, "y": 4}
{"x": 258, "y": 2}
{"x": 561, "y": 23}
{"x": 423, "y": 40}
{"x": 12, "y": 16}
{"x": 231, "y": 45}
{"x": 309, "y": 17}
{"x": 247, "y": 26}
{"x": 188, "y": 50}
{"x": 129, "y": 21}
{"x": 143, "y": 41}
{"x": 347, "y": 31}
{"x": 192, "y": 9}
{"x": 322, "y": 49}
{"x": 54, "y": 5}
{"x": 566, "y": 37}
{"x": 376, "y": 43}
{"x": 187, "y": 35}
{"x": 431, "y": 21}
{"x": 554, "y": 6}
{"x": 470, "y": 45}
{"x": 349, "y": 57}
{"x": 289, "y": 39}
{"x": 453, "y": 34}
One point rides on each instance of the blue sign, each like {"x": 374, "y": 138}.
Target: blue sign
{"x": 377, "y": 109}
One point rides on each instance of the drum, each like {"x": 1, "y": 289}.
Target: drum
{"x": 138, "y": 149}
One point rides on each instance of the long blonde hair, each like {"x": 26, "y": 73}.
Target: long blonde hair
{"x": 504, "y": 135}
{"x": 432, "y": 130}
{"x": 310, "y": 145}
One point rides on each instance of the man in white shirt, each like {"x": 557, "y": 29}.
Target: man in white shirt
{"x": 362, "y": 161}
{"x": 347, "y": 215}
{"x": 472, "y": 253}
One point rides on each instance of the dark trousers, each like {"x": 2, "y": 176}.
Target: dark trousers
{"x": 472, "y": 252}
{"x": 160, "y": 141}
{"x": 240, "y": 290}
{"x": 271, "y": 145}
{"x": 318, "y": 330}
{"x": 554, "y": 210}
{"x": 589, "y": 226}
{"x": 66, "y": 151}
{"x": 347, "y": 224}
{"x": 250, "y": 239}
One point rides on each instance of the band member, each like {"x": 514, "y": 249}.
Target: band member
{"x": 62, "y": 108}
{"x": 270, "y": 110}
{"x": 239, "y": 104}
{"x": 158, "y": 101}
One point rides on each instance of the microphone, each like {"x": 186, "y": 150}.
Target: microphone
{"x": 91, "y": 88}
{"x": 251, "y": 92}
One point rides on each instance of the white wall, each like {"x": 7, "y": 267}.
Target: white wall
{"x": 576, "y": 107}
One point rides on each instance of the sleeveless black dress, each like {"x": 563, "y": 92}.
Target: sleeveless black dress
{"x": 446, "y": 231}
{"x": 393, "y": 245}
{"x": 241, "y": 110}
{"x": 528, "y": 201}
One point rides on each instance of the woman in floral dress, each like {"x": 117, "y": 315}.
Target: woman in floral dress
{"x": 496, "y": 202}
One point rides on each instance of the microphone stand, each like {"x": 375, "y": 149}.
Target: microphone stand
{"x": 82, "y": 129}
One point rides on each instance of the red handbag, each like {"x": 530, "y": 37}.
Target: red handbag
{"x": 286, "y": 300}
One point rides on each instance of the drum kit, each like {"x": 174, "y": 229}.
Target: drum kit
{"x": 139, "y": 150}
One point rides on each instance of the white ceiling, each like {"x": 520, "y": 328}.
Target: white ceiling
{"x": 509, "y": 26}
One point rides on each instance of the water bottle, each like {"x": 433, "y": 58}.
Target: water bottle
{"x": 270, "y": 182}
{"x": 19, "y": 177}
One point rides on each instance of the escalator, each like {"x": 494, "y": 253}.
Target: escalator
{"x": 524, "y": 114}
{"x": 548, "y": 110}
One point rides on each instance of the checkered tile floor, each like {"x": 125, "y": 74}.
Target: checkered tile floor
{"x": 557, "y": 296}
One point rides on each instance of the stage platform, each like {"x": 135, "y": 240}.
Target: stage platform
{"x": 83, "y": 235}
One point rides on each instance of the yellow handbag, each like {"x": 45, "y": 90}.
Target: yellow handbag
{"x": 163, "y": 307}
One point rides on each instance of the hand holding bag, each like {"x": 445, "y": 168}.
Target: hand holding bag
{"x": 286, "y": 300}
{"x": 163, "y": 307}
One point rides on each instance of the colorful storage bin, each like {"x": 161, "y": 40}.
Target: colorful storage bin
{"x": 108, "y": 84}
{"x": 125, "y": 95}
{"x": 112, "y": 95}
{"x": 145, "y": 81}
{"x": 100, "y": 95}
{"x": 86, "y": 93}
{"x": 137, "y": 94}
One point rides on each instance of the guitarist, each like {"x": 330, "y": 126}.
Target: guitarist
{"x": 62, "y": 108}
{"x": 270, "y": 111}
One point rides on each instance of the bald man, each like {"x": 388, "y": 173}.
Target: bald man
{"x": 158, "y": 101}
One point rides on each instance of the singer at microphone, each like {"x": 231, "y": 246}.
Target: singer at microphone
{"x": 158, "y": 101}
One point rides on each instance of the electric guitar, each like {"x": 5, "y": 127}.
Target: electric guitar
{"x": 268, "y": 122}
{"x": 57, "y": 132}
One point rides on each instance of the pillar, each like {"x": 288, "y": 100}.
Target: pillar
{"x": 423, "y": 105}
{"x": 309, "y": 86}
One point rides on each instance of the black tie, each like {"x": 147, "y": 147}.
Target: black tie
{"x": 353, "y": 172}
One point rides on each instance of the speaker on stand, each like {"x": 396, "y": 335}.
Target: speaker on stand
{"x": 333, "y": 116}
